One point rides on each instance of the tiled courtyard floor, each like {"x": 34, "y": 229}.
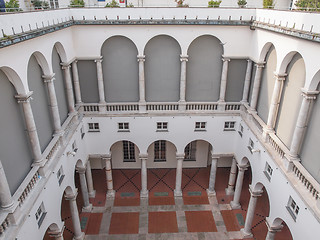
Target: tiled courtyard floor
{"x": 162, "y": 216}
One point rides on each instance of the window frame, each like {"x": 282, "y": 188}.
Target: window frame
{"x": 162, "y": 126}
{"x": 241, "y": 129}
{"x": 190, "y": 152}
{"x": 40, "y": 214}
{"x": 123, "y": 127}
{"x": 60, "y": 175}
{"x": 229, "y": 126}
{"x": 293, "y": 208}
{"x": 268, "y": 170}
{"x": 93, "y": 127}
{"x": 128, "y": 149}
{"x": 200, "y": 126}
{"x": 160, "y": 151}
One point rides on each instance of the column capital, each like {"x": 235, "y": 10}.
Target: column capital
{"x": 309, "y": 95}
{"x": 143, "y": 156}
{"x": 255, "y": 194}
{"x": 226, "y": 59}
{"x": 260, "y": 64}
{"x": 106, "y": 157}
{"x": 180, "y": 156}
{"x": 271, "y": 228}
{"x": 249, "y": 60}
{"x": 184, "y": 58}
{"x": 71, "y": 196}
{"x": 99, "y": 59}
{"x": 141, "y": 58}
{"x": 56, "y": 233}
{"x": 280, "y": 76}
{"x": 65, "y": 66}
{"x": 75, "y": 61}
{"x": 242, "y": 168}
{"x": 81, "y": 170}
{"x": 48, "y": 78}
{"x": 23, "y": 98}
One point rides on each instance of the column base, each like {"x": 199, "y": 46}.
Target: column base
{"x": 81, "y": 237}
{"x": 235, "y": 205}
{"x": 229, "y": 191}
{"x": 144, "y": 194}
{"x": 177, "y": 193}
{"x": 111, "y": 194}
{"x": 245, "y": 234}
{"x": 210, "y": 193}
{"x": 142, "y": 107}
{"x": 92, "y": 194}
{"x": 182, "y": 105}
{"x": 87, "y": 208}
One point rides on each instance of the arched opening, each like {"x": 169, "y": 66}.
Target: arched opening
{"x": 280, "y": 230}
{"x": 52, "y": 232}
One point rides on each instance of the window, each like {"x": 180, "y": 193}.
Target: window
{"x": 123, "y": 127}
{"x": 162, "y": 126}
{"x": 293, "y": 208}
{"x": 40, "y": 214}
{"x": 268, "y": 171}
{"x": 190, "y": 151}
{"x": 251, "y": 145}
{"x": 82, "y": 132}
{"x": 160, "y": 151}
{"x": 240, "y": 130}
{"x": 229, "y": 126}
{"x": 128, "y": 151}
{"x": 200, "y": 126}
{"x": 60, "y": 175}
{"x": 74, "y": 146}
{"x": 94, "y": 127}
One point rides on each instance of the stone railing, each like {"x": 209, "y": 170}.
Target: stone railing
{"x": 91, "y": 108}
{"x": 52, "y": 148}
{"x": 125, "y": 107}
{"x": 162, "y": 106}
{"x": 306, "y": 179}
{"x": 277, "y": 145}
{"x": 5, "y": 223}
{"x": 232, "y": 106}
{"x": 200, "y": 106}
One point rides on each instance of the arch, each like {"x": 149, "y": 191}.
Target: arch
{"x": 61, "y": 51}
{"x": 204, "y": 69}
{"x": 42, "y": 61}
{"x": 264, "y": 51}
{"x": 197, "y": 153}
{"x": 285, "y": 62}
{"x": 79, "y": 164}
{"x": 125, "y": 154}
{"x": 209, "y": 35}
{"x": 15, "y": 79}
{"x": 244, "y": 161}
{"x": 121, "y": 36}
{"x": 113, "y": 144}
{"x": 314, "y": 85}
{"x": 162, "y": 69}
{"x": 163, "y": 140}
{"x": 280, "y": 224}
{"x": 52, "y": 228}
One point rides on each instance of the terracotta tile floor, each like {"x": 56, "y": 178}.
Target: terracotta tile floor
{"x": 128, "y": 217}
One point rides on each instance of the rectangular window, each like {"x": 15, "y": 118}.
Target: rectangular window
{"x": 229, "y": 126}
{"x": 293, "y": 208}
{"x": 200, "y": 126}
{"x": 123, "y": 127}
{"x": 160, "y": 151}
{"x": 162, "y": 126}
{"x": 94, "y": 127}
{"x": 251, "y": 145}
{"x": 268, "y": 171}
{"x": 40, "y": 214}
{"x": 190, "y": 151}
{"x": 60, "y": 175}
{"x": 240, "y": 130}
{"x": 74, "y": 146}
{"x": 82, "y": 132}
{"x": 128, "y": 151}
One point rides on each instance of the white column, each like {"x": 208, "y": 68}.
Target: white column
{"x": 250, "y": 213}
{"x": 48, "y": 80}
{"x": 78, "y": 235}
{"x": 87, "y": 207}
{"x": 31, "y": 126}
{"x": 235, "y": 204}
{"x": 110, "y": 191}
{"x": 5, "y": 194}
{"x": 69, "y": 90}
{"x": 213, "y": 173}
{"x": 183, "y": 77}
{"x": 76, "y": 82}
{"x": 256, "y": 86}
{"x": 275, "y": 100}
{"x": 232, "y": 178}
{"x": 177, "y": 190}
{"x": 246, "y": 87}
{"x": 144, "y": 177}
{"x": 142, "y": 87}
{"x": 102, "y": 99}
{"x": 302, "y": 121}
{"x": 92, "y": 192}
{"x": 224, "y": 77}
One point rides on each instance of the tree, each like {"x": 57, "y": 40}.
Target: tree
{"x": 13, "y": 6}
{"x": 76, "y": 3}
{"x": 268, "y": 4}
{"x": 308, "y": 5}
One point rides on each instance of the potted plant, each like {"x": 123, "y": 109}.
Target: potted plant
{"x": 214, "y": 4}
{"x": 180, "y": 3}
{"x": 268, "y": 4}
{"x": 242, "y": 3}
{"x": 113, "y": 4}
{"x": 11, "y": 6}
{"x": 76, "y": 3}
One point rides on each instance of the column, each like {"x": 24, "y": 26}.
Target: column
{"x": 224, "y": 77}
{"x": 275, "y": 100}
{"x": 232, "y": 178}
{"x": 302, "y": 121}
{"x": 142, "y": 91}
{"x": 256, "y": 86}
{"x": 100, "y": 80}
{"x": 48, "y": 80}
{"x": 78, "y": 235}
{"x": 250, "y": 213}
{"x": 237, "y": 193}
{"x": 84, "y": 189}
{"x": 92, "y": 192}
{"x": 272, "y": 230}
{"x": 177, "y": 190}
{"x": 56, "y": 234}
{"x": 183, "y": 77}
{"x": 69, "y": 90}
{"x": 31, "y": 126}
{"x": 76, "y": 82}
{"x": 247, "y": 80}
{"x": 5, "y": 194}
{"x": 213, "y": 173}
{"x": 110, "y": 191}
{"x": 144, "y": 177}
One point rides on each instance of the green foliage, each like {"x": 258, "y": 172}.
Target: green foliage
{"x": 130, "y": 5}
{"x": 76, "y": 3}
{"x": 242, "y": 3}
{"x": 113, "y": 4}
{"x": 268, "y": 4}
{"x": 214, "y": 4}
{"x": 13, "y": 6}
{"x": 308, "y": 5}
{"x": 38, "y": 4}
{"x": 180, "y": 3}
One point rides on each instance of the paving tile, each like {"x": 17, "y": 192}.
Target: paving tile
{"x": 196, "y": 220}
{"x": 162, "y": 222}
{"x": 124, "y": 223}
